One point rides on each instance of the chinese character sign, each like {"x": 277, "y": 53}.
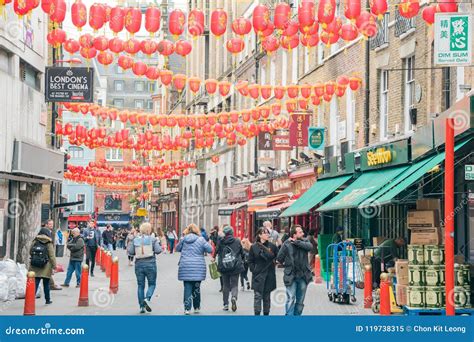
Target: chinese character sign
{"x": 299, "y": 123}
{"x": 265, "y": 141}
{"x": 453, "y": 43}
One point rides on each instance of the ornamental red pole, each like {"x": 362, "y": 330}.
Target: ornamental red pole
{"x": 449, "y": 216}
{"x": 368, "y": 287}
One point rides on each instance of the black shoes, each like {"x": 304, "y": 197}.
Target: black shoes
{"x": 49, "y": 302}
{"x": 234, "y": 304}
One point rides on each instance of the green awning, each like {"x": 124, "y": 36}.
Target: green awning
{"x": 413, "y": 174}
{"x": 317, "y": 193}
{"x": 362, "y": 189}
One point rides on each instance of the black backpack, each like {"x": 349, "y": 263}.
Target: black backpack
{"x": 39, "y": 254}
{"x": 229, "y": 259}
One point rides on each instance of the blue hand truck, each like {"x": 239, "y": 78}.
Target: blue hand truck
{"x": 342, "y": 254}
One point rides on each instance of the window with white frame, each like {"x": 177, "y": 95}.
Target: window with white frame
{"x": 139, "y": 86}
{"x": 409, "y": 91}
{"x": 272, "y": 68}
{"x": 114, "y": 154}
{"x": 119, "y": 85}
{"x": 139, "y": 104}
{"x": 149, "y": 105}
{"x": 383, "y": 103}
{"x": 76, "y": 152}
{"x": 118, "y": 103}
{"x": 263, "y": 73}
{"x": 81, "y": 207}
{"x": 294, "y": 65}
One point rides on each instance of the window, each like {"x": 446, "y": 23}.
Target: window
{"x": 30, "y": 75}
{"x": 149, "y": 105}
{"x": 383, "y": 105}
{"x": 119, "y": 85}
{"x": 333, "y": 124}
{"x": 81, "y": 207}
{"x": 87, "y": 124}
{"x": 446, "y": 88}
{"x": 263, "y": 73}
{"x": 152, "y": 86}
{"x": 139, "y": 104}
{"x": 118, "y": 103}
{"x": 114, "y": 154}
{"x": 272, "y": 69}
{"x": 306, "y": 60}
{"x": 409, "y": 76}
{"x": 119, "y": 69}
{"x": 381, "y": 37}
{"x": 111, "y": 203}
{"x": 4, "y": 61}
{"x": 76, "y": 152}
{"x": 139, "y": 86}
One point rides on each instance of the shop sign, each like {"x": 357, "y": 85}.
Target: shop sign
{"x": 452, "y": 41}
{"x": 281, "y": 142}
{"x": 376, "y": 157}
{"x": 303, "y": 184}
{"x": 268, "y": 215}
{"x": 299, "y": 123}
{"x": 265, "y": 141}
{"x": 316, "y": 138}
{"x": 281, "y": 184}
{"x": 260, "y": 188}
{"x": 237, "y": 194}
{"x": 142, "y": 212}
{"x": 112, "y": 217}
{"x": 469, "y": 172}
{"x": 225, "y": 211}
{"x": 64, "y": 84}
{"x": 171, "y": 183}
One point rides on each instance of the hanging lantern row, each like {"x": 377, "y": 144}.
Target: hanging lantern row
{"x": 135, "y": 167}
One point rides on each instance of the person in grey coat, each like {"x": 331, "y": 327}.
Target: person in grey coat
{"x": 192, "y": 266}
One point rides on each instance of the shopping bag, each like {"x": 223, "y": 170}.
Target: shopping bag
{"x": 213, "y": 271}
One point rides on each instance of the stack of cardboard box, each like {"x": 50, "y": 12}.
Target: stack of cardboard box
{"x": 424, "y": 223}
{"x": 401, "y": 273}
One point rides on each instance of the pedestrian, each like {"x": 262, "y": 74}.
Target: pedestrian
{"x": 144, "y": 247}
{"x": 108, "y": 238}
{"x": 204, "y": 234}
{"x": 171, "y": 237}
{"x": 43, "y": 261}
{"x": 286, "y": 234}
{"x": 274, "y": 236}
{"x": 262, "y": 257}
{"x": 214, "y": 235}
{"x": 244, "y": 275}
{"x": 50, "y": 225}
{"x": 161, "y": 235}
{"x": 92, "y": 240}
{"x": 387, "y": 254}
{"x": 192, "y": 266}
{"x": 123, "y": 237}
{"x": 314, "y": 247}
{"x": 76, "y": 248}
{"x": 131, "y": 235}
{"x": 293, "y": 255}
{"x": 230, "y": 264}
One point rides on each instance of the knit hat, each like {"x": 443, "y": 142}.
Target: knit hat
{"x": 228, "y": 230}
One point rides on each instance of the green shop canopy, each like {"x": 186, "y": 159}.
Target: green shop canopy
{"x": 317, "y": 193}
{"x": 360, "y": 191}
{"x": 413, "y": 174}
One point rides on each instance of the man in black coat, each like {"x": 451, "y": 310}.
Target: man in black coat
{"x": 262, "y": 256}
{"x": 293, "y": 256}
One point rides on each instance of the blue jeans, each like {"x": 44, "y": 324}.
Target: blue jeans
{"x": 74, "y": 266}
{"x": 171, "y": 242}
{"x": 295, "y": 294}
{"x": 109, "y": 247}
{"x": 192, "y": 295}
{"x": 146, "y": 270}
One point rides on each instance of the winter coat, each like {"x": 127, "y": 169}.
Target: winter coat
{"x": 47, "y": 270}
{"x": 238, "y": 250}
{"x": 108, "y": 237}
{"x": 76, "y": 247}
{"x": 294, "y": 253}
{"x": 192, "y": 266}
{"x": 204, "y": 234}
{"x": 262, "y": 265}
{"x": 91, "y": 237}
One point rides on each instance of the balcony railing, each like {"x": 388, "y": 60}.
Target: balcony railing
{"x": 402, "y": 24}
{"x": 381, "y": 37}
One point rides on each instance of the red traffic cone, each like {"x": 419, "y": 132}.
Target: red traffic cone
{"x": 84, "y": 291}
{"x": 368, "y": 287}
{"x": 317, "y": 270}
{"x": 114, "y": 276}
{"x": 30, "y": 295}
{"x": 385, "y": 309}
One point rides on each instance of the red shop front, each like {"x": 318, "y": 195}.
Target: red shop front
{"x": 237, "y": 209}
{"x": 79, "y": 221}
{"x": 302, "y": 181}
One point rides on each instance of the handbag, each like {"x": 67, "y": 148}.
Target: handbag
{"x": 215, "y": 274}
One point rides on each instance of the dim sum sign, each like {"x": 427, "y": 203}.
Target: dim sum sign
{"x": 65, "y": 84}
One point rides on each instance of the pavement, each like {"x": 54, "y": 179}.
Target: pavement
{"x": 168, "y": 297}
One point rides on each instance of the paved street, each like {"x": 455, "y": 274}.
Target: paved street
{"x": 169, "y": 296}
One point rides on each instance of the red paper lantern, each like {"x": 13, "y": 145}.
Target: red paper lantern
{"x": 367, "y": 24}
{"x": 326, "y": 11}
{"x": 409, "y": 8}
{"x": 343, "y": 80}
{"x": 289, "y": 43}
{"x": 281, "y": 15}
{"x": 211, "y": 86}
{"x": 340, "y": 90}
{"x": 45, "y": 5}
{"x": 166, "y": 77}
{"x": 183, "y": 48}
{"x": 101, "y": 43}
{"x": 306, "y": 15}
{"x": 117, "y": 19}
{"x": 215, "y": 159}
{"x": 291, "y": 105}
{"x": 327, "y": 97}
{"x": 88, "y": 53}
{"x": 309, "y": 41}
{"x": 305, "y": 90}
{"x": 56, "y": 37}
{"x": 125, "y": 62}
{"x": 354, "y": 83}
{"x": 315, "y": 100}
{"x": 165, "y": 47}
{"x": 176, "y": 22}
{"x": 428, "y": 14}
{"x": 242, "y": 87}
{"x": 254, "y": 91}
{"x": 218, "y": 22}
{"x": 311, "y": 30}
{"x": 78, "y": 14}
{"x": 71, "y": 46}
{"x": 303, "y": 103}
{"x": 86, "y": 40}
{"x": 116, "y": 45}
{"x": 194, "y": 84}
{"x": 235, "y": 45}
{"x": 319, "y": 89}
{"x": 179, "y": 82}
{"x": 292, "y": 91}
{"x": 447, "y": 6}
{"x": 291, "y": 29}
{"x": 266, "y": 91}
{"x": 148, "y": 46}
{"x": 97, "y": 16}
{"x": 241, "y": 26}
{"x": 57, "y": 11}
{"x": 105, "y": 58}
{"x": 152, "y": 73}
{"x": 132, "y": 46}
{"x": 349, "y": 32}
{"x": 276, "y": 109}
{"x": 330, "y": 87}
{"x": 279, "y": 92}
{"x": 196, "y": 23}
{"x": 224, "y": 88}
{"x": 152, "y": 19}
{"x": 133, "y": 20}
{"x": 352, "y": 9}
{"x": 378, "y": 8}
{"x": 268, "y": 31}
{"x": 270, "y": 44}
{"x": 260, "y": 18}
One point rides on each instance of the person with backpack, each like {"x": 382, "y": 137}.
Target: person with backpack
{"x": 293, "y": 255}
{"x": 244, "y": 279}
{"x": 92, "y": 240}
{"x": 230, "y": 264}
{"x": 43, "y": 260}
{"x": 144, "y": 247}
{"x": 192, "y": 266}
{"x": 76, "y": 247}
{"x": 262, "y": 257}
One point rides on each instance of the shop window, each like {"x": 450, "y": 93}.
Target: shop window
{"x": 383, "y": 103}
{"x": 409, "y": 90}
{"x": 76, "y": 152}
{"x": 81, "y": 207}
{"x": 111, "y": 203}
{"x": 139, "y": 86}
{"x": 119, "y": 85}
{"x": 118, "y": 103}
{"x": 114, "y": 154}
